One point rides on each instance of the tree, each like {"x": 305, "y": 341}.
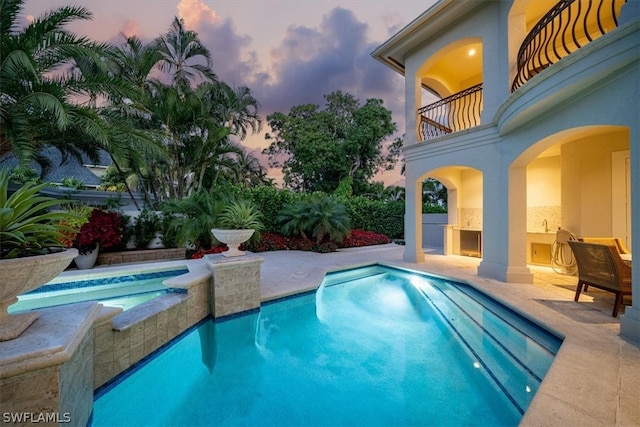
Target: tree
{"x": 183, "y": 56}
{"x": 318, "y": 148}
{"x": 37, "y": 81}
{"x": 237, "y": 109}
{"x": 434, "y": 193}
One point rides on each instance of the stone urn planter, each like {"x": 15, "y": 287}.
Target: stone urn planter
{"x": 233, "y": 239}
{"x": 22, "y": 275}
{"x": 88, "y": 260}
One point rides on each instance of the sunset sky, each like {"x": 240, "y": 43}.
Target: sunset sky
{"x": 288, "y": 52}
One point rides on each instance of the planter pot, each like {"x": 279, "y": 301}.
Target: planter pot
{"x": 22, "y": 275}
{"x": 233, "y": 239}
{"x": 156, "y": 242}
{"x": 88, "y": 260}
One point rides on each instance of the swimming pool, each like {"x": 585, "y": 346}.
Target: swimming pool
{"x": 372, "y": 346}
{"x": 111, "y": 288}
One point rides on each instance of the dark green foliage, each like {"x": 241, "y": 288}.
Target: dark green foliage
{"x": 428, "y": 208}
{"x": 321, "y": 147}
{"x": 126, "y": 230}
{"x": 144, "y": 228}
{"x": 384, "y": 217}
{"x": 317, "y": 215}
{"x": 194, "y": 217}
{"x": 269, "y": 200}
{"x": 169, "y": 235}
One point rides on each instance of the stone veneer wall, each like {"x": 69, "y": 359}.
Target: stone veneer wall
{"x": 109, "y": 258}
{"x": 236, "y": 283}
{"x": 123, "y": 338}
{"x": 46, "y": 374}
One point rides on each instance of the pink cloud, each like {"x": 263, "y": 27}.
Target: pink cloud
{"x": 131, "y": 28}
{"x": 196, "y": 12}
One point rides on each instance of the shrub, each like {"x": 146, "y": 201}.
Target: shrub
{"x": 102, "y": 228}
{"x": 317, "y": 215}
{"x": 271, "y": 201}
{"x": 326, "y": 247}
{"x": 384, "y": 217}
{"x": 144, "y": 228}
{"x": 267, "y": 242}
{"x": 359, "y": 238}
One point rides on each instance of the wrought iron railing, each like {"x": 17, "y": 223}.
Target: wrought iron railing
{"x": 451, "y": 114}
{"x": 568, "y": 26}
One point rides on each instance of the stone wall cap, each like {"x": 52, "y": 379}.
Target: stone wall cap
{"x": 50, "y": 341}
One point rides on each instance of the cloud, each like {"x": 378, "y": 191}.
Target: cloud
{"x": 309, "y": 62}
{"x": 196, "y": 12}
{"x": 130, "y": 28}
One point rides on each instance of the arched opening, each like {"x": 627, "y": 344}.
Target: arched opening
{"x": 579, "y": 180}
{"x": 459, "y": 230}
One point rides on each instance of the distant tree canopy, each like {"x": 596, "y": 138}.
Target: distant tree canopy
{"x": 317, "y": 148}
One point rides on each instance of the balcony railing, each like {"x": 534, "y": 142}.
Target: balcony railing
{"x": 568, "y": 26}
{"x": 452, "y": 114}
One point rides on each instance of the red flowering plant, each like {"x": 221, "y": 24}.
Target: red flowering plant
{"x": 103, "y": 228}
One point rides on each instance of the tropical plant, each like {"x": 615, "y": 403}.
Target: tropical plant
{"x": 237, "y": 109}
{"x": 240, "y": 215}
{"x": 183, "y": 56}
{"x": 37, "y": 84}
{"x": 72, "y": 182}
{"x": 79, "y": 214}
{"x": 318, "y": 215}
{"x": 102, "y": 228}
{"x": 194, "y": 217}
{"x": 27, "y": 228}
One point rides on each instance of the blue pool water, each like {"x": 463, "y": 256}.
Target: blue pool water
{"x": 121, "y": 290}
{"x": 373, "y": 346}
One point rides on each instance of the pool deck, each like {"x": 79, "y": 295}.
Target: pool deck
{"x": 595, "y": 379}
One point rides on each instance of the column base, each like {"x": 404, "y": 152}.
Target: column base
{"x": 630, "y": 324}
{"x": 505, "y": 273}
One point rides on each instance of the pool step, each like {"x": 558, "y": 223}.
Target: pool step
{"x": 349, "y": 276}
{"x": 494, "y": 340}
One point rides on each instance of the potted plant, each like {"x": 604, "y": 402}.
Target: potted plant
{"x": 236, "y": 224}
{"x": 31, "y": 249}
{"x": 102, "y": 230}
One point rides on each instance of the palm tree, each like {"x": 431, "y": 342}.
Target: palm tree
{"x": 237, "y": 109}
{"x": 36, "y": 84}
{"x": 251, "y": 172}
{"x": 135, "y": 61}
{"x": 317, "y": 214}
{"x": 195, "y": 216}
{"x": 394, "y": 193}
{"x": 183, "y": 56}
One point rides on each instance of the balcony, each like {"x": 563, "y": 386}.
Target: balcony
{"x": 451, "y": 114}
{"x": 568, "y": 26}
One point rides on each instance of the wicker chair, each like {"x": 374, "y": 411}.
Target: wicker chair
{"x": 602, "y": 267}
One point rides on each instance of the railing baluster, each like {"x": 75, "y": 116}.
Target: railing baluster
{"x": 549, "y": 40}
{"x": 452, "y": 114}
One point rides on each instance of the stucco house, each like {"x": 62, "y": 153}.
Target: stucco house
{"x": 536, "y": 126}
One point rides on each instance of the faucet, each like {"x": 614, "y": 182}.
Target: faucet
{"x": 546, "y": 226}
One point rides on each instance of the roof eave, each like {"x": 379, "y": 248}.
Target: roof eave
{"x": 432, "y": 21}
